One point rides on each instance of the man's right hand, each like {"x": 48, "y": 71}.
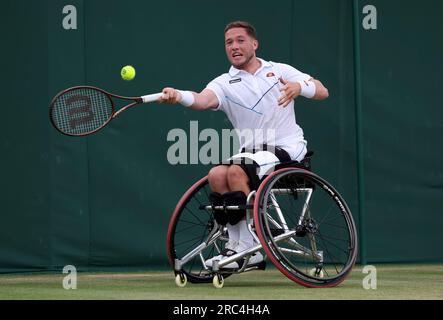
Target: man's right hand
{"x": 170, "y": 95}
{"x": 200, "y": 101}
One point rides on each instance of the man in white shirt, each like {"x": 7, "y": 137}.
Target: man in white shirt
{"x": 255, "y": 95}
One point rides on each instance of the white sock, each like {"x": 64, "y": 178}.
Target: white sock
{"x": 246, "y": 238}
{"x": 233, "y": 232}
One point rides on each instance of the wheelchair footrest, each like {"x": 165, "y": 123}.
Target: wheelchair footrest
{"x": 258, "y": 266}
{"x": 261, "y": 265}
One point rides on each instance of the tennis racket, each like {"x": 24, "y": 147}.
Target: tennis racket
{"x": 83, "y": 110}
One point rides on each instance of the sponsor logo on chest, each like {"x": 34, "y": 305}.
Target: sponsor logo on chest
{"x": 234, "y": 80}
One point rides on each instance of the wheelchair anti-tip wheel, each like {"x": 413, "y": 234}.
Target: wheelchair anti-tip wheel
{"x": 218, "y": 281}
{"x": 305, "y": 227}
{"x": 189, "y": 227}
{"x": 181, "y": 280}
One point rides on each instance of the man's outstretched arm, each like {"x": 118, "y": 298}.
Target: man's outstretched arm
{"x": 197, "y": 101}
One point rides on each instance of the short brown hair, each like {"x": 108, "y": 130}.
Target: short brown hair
{"x": 242, "y": 24}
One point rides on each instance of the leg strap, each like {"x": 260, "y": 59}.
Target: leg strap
{"x": 235, "y": 198}
{"x": 220, "y": 216}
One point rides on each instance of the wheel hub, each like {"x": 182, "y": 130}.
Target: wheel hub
{"x": 308, "y": 226}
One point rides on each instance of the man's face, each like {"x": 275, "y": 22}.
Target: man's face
{"x": 240, "y": 47}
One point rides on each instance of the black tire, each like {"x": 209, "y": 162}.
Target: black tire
{"x": 327, "y": 228}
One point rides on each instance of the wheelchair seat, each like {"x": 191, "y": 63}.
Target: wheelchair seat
{"x": 295, "y": 181}
{"x": 303, "y": 164}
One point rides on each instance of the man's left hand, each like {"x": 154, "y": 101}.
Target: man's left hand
{"x": 290, "y": 91}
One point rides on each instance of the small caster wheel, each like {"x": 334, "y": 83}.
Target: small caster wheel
{"x": 181, "y": 280}
{"x": 218, "y": 281}
{"x": 315, "y": 273}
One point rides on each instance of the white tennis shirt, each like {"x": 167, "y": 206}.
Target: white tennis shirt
{"x": 250, "y": 103}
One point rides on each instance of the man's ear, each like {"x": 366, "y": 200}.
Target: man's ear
{"x": 255, "y": 43}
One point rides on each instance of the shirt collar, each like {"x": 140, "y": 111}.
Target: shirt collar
{"x": 233, "y": 71}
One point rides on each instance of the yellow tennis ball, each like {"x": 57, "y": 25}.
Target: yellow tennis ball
{"x": 128, "y": 73}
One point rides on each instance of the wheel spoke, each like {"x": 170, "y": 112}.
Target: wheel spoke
{"x": 322, "y": 227}
{"x": 191, "y": 228}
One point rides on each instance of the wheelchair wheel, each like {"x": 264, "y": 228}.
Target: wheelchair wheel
{"x": 305, "y": 227}
{"x": 189, "y": 227}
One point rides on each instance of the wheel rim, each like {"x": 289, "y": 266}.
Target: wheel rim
{"x": 189, "y": 226}
{"x": 327, "y": 229}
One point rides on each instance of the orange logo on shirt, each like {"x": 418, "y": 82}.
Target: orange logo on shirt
{"x": 270, "y": 74}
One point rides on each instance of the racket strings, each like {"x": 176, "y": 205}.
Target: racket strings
{"x": 81, "y": 111}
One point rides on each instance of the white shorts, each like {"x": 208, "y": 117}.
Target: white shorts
{"x": 267, "y": 160}
{"x": 258, "y": 164}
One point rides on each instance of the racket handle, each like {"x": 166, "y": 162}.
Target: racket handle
{"x": 151, "y": 97}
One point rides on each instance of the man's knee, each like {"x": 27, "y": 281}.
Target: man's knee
{"x": 236, "y": 174}
{"x": 218, "y": 174}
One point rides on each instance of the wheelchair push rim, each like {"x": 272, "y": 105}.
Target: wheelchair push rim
{"x": 305, "y": 228}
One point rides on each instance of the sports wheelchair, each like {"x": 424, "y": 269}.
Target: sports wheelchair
{"x": 300, "y": 221}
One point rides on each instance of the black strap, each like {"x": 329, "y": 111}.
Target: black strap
{"x": 227, "y": 252}
{"x": 280, "y": 153}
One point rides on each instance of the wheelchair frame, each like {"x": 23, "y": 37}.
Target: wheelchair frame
{"x": 286, "y": 235}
